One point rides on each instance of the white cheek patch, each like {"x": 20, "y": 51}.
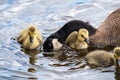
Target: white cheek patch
{"x": 56, "y": 44}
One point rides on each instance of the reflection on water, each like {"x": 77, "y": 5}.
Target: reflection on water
{"x": 117, "y": 72}
{"x": 32, "y": 57}
{"x": 49, "y": 16}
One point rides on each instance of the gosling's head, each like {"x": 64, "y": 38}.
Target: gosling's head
{"x": 32, "y": 33}
{"x": 117, "y": 53}
{"x": 83, "y": 35}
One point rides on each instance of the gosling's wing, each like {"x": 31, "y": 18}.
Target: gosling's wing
{"x": 39, "y": 37}
{"x": 22, "y": 36}
{"x": 71, "y": 38}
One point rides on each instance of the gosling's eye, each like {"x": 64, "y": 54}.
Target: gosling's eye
{"x": 82, "y": 36}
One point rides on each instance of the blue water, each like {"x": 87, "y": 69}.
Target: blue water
{"x": 49, "y": 16}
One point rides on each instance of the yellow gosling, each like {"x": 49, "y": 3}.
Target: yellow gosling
{"x": 101, "y": 58}
{"x": 117, "y": 53}
{"x": 78, "y": 40}
{"x": 30, "y": 38}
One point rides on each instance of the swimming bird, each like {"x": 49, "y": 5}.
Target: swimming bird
{"x": 30, "y": 38}
{"x": 78, "y": 40}
{"x": 117, "y": 54}
{"x": 101, "y": 58}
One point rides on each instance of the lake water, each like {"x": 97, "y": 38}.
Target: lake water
{"x": 49, "y": 16}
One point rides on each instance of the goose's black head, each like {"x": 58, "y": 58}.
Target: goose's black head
{"x": 52, "y": 43}
{"x": 47, "y": 45}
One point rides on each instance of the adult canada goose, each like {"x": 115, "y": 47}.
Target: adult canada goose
{"x": 101, "y": 58}
{"x": 56, "y": 40}
{"x": 30, "y": 38}
{"x": 108, "y": 32}
{"x": 78, "y": 40}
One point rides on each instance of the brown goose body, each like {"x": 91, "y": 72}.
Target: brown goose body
{"x": 108, "y": 33}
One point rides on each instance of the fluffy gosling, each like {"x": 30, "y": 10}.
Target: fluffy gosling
{"x": 117, "y": 54}
{"x": 30, "y": 38}
{"x": 78, "y": 40}
{"x": 101, "y": 58}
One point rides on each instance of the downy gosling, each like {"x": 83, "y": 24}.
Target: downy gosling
{"x": 78, "y": 40}
{"x": 101, "y": 58}
{"x": 30, "y": 38}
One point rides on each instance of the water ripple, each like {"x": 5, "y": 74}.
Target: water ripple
{"x": 49, "y": 16}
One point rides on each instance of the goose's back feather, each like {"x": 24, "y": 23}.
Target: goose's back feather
{"x": 108, "y": 33}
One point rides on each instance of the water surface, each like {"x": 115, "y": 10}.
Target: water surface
{"x": 49, "y": 16}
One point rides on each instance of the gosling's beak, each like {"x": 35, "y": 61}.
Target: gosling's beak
{"x": 31, "y": 39}
{"x": 87, "y": 40}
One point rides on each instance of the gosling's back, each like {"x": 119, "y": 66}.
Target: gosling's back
{"x": 100, "y": 58}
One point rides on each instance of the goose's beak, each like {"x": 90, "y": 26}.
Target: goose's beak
{"x": 31, "y": 39}
{"x": 87, "y": 40}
